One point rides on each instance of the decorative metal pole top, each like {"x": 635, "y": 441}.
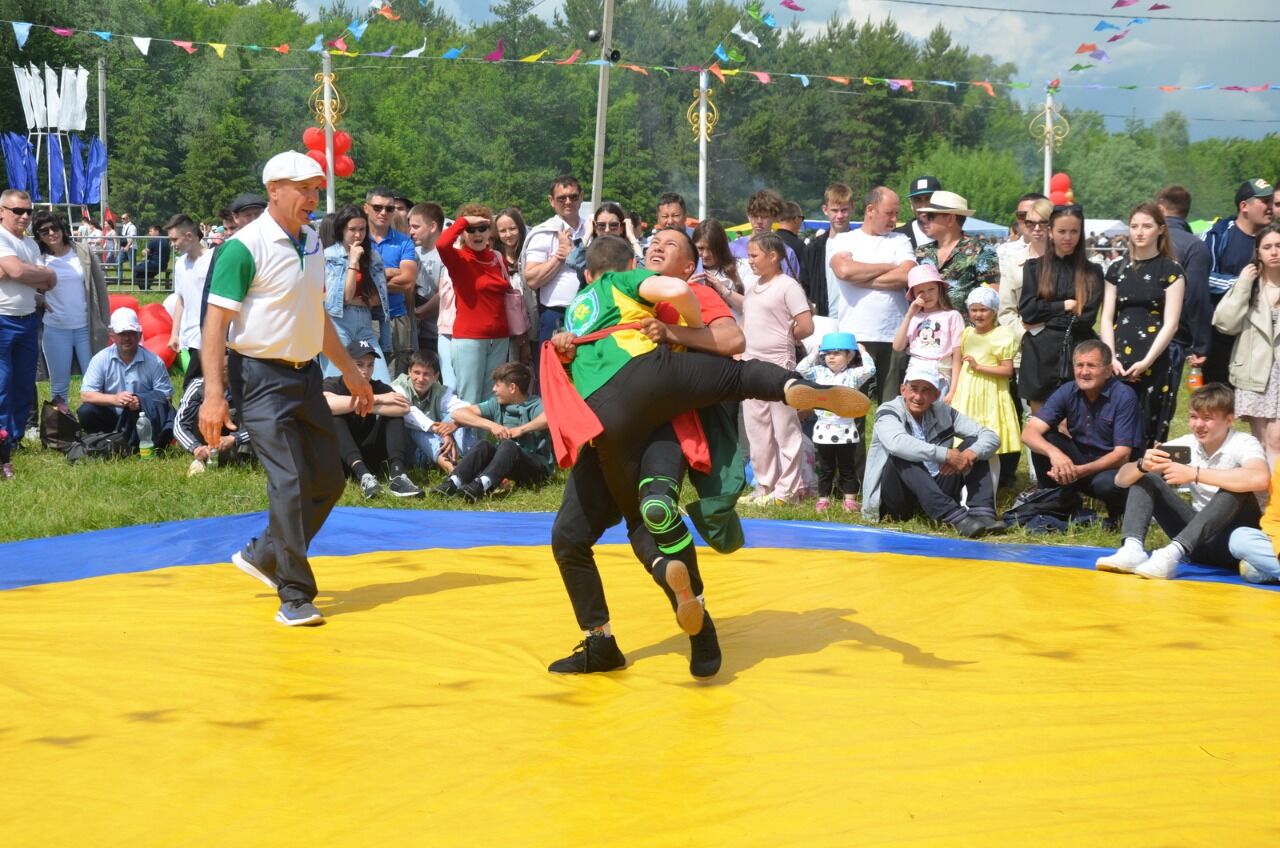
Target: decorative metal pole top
{"x": 328, "y": 111}
{"x": 694, "y": 115}
{"x": 1050, "y": 127}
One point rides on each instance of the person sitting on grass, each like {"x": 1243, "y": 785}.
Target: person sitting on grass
{"x": 372, "y": 439}
{"x": 1222, "y": 468}
{"x": 1258, "y": 548}
{"x": 429, "y": 423}
{"x": 232, "y": 447}
{"x": 522, "y": 452}
{"x": 914, "y": 464}
{"x": 123, "y": 381}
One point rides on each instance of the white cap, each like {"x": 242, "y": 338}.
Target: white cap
{"x": 125, "y": 320}
{"x": 923, "y": 372}
{"x": 291, "y": 165}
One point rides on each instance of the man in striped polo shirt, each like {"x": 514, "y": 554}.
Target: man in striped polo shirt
{"x": 266, "y": 303}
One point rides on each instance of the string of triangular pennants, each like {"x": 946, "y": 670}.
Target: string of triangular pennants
{"x": 340, "y": 47}
{"x": 1098, "y": 53}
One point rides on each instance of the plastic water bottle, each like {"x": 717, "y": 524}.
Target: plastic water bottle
{"x": 1195, "y": 379}
{"x": 146, "y": 447}
{"x": 213, "y": 458}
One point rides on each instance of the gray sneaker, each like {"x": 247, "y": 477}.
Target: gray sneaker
{"x": 369, "y": 486}
{"x": 299, "y": 614}
{"x": 242, "y": 562}
{"x": 402, "y": 487}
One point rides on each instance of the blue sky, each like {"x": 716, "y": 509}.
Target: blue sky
{"x": 1161, "y": 52}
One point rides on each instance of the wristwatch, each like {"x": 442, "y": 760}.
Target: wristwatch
{"x": 1139, "y": 464}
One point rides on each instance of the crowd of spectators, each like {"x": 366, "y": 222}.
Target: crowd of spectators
{"x": 1068, "y": 347}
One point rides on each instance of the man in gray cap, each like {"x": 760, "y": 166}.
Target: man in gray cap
{"x": 921, "y": 192}
{"x": 1231, "y": 247}
{"x": 266, "y": 303}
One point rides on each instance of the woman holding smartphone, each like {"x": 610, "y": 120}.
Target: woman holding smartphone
{"x": 1250, "y": 311}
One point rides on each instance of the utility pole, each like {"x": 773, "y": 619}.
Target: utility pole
{"x": 102, "y": 120}
{"x": 1048, "y": 145}
{"x": 703, "y": 133}
{"x": 602, "y": 105}
{"x": 326, "y": 68}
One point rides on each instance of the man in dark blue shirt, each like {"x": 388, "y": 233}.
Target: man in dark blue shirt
{"x": 1102, "y": 418}
{"x": 1195, "y": 328}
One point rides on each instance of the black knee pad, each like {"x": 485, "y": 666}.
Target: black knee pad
{"x": 659, "y": 506}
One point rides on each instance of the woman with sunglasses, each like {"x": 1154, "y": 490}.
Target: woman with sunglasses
{"x": 1061, "y": 293}
{"x": 1033, "y": 229}
{"x": 76, "y": 310}
{"x": 481, "y": 279}
{"x": 965, "y": 262}
{"x": 355, "y": 283}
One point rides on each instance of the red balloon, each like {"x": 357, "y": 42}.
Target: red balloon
{"x": 155, "y": 323}
{"x": 341, "y": 142}
{"x": 319, "y": 158}
{"x": 1058, "y": 198}
{"x": 313, "y": 138}
{"x": 115, "y": 301}
{"x": 344, "y": 167}
{"x": 159, "y": 345}
{"x": 1060, "y": 182}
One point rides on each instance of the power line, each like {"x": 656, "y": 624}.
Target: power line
{"x": 1082, "y": 14}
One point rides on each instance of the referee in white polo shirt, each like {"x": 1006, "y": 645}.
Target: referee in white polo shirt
{"x": 266, "y": 303}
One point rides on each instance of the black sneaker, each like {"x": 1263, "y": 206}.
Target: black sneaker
{"x": 704, "y": 658}
{"x": 446, "y": 488}
{"x": 971, "y": 526}
{"x": 473, "y": 491}
{"x": 841, "y": 400}
{"x": 402, "y": 487}
{"x": 369, "y": 486}
{"x": 595, "y": 653}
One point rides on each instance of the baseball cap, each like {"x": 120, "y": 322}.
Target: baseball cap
{"x": 1250, "y": 189}
{"x": 290, "y": 165}
{"x": 921, "y": 274}
{"x": 924, "y": 185}
{"x": 838, "y": 341}
{"x": 361, "y": 347}
{"x": 125, "y": 320}
{"x": 247, "y": 201}
{"x": 927, "y": 373}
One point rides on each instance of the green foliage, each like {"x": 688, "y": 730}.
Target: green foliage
{"x": 186, "y": 133}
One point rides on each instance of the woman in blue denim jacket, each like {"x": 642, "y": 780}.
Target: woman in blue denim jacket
{"x": 354, "y": 283}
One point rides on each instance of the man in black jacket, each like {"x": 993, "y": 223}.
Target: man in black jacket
{"x": 1195, "y": 329}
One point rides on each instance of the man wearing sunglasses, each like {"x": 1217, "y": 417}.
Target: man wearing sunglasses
{"x": 21, "y": 276}
{"x": 400, "y": 260}
{"x": 548, "y": 268}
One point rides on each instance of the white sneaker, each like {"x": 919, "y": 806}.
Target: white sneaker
{"x": 1163, "y": 564}
{"x": 1252, "y": 574}
{"x": 1124, "y": 561}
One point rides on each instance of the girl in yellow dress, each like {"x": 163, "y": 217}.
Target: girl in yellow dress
{"x": 982, "y": 390}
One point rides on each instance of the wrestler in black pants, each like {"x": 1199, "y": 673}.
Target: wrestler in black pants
{"x": 374, "y": 438}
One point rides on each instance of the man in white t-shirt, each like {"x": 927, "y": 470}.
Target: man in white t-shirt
{"x": 189, "y": 271}
{"x": 21, "y": 276}
{"x": 869, "y": 295}
{"x": 546, "y": 250}
{"x": 1225, "y": 472}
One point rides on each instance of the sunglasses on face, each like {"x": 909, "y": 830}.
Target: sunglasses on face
{"x": 19, "y": 210}
{"x": 478, "y": 228}
{"x": 929, "y": 216}
{"x": 608, "y": 226}
{"x": 1036, "y": 225}
{"x": 378, "y": 207}
{"x": 44, "y": 231}
{"x": 567, "y": 198}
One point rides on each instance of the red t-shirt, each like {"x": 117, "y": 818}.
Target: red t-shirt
{"x": 712, "y": 304}
{"x": 480, "y": 286}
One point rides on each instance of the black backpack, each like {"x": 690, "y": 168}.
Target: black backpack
{"x": 113, "y": 445}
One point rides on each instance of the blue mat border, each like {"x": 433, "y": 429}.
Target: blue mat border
{"x": 357, "y": 530}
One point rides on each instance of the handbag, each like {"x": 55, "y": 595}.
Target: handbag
{"x": 517, "y": 313}
{"x": 58, "y": 430}
{"x": 1066, "y": 369}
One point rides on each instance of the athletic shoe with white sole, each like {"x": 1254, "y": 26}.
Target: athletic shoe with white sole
{"x": 240, "y": 561}
{"x": 1124, "y": 561}
{"x": 841, "y": 400}
{"x": 299, "y": 614}
{"x": 369, "y": 486}
{"x": 1163, "y": 564}
{"x": 402, "y": 487}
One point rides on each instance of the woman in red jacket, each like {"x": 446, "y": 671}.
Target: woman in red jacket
{"x": 480, "y": 284}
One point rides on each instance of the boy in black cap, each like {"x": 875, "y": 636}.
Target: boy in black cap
{"x": 373, "y": 439}
{"x": 921, "y": 192}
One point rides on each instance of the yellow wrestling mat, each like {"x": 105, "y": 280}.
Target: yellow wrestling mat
{"x": 865, "y": 700}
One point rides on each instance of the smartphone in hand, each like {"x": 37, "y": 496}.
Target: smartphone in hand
{"x": 1178, "y": 453}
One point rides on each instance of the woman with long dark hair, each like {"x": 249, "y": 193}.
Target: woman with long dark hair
{"x": 1141, "y": 306}
{"x": 76, "y": 310}
{"x": 355, "y": 284}
{"x": 1061, "y": 293}
{"x": 509, "y": 236}
{"x": 719, "y": 267}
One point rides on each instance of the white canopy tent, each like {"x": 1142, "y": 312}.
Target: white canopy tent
{"x": 1105, "y": 227}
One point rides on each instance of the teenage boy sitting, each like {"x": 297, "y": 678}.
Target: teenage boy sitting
{"x": 522, "y": 453}
{"x": 429, "y": 423}
{"x": 375, "y": 438}
{"x": 232, "y": 447}
{"x": 1223, "y": 471}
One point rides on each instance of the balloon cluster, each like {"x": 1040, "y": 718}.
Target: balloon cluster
{"x": 1060, "y": 193}
{"x": 343, "y": 165}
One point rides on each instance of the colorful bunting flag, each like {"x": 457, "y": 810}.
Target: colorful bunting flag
{"x": 1086, "y": 48}
{"x": 496, "y": 55}
{"x": 753, "y": 9}
{"x": 184, "y": 45}
{"x": 1128, "y": 87}
{"x": 143, "y": 44}
{"x": 453, "y": 52}
{"x": 317, "y": 46}
{"x": 339, "y": 43}
{"x": 220, "y": 49}
{"x": 1208, "y": 87}
{"x": 762, "y": 76}
{"x": 804, "y": 80}
{"x": 715, "y": 69}
{"x": 1135, "y": 21}
{"x": 791, "y": 4}
{"x": 105, "y": 36}
{"x": 414, "y": 54}
{"x": 1120, "y": 4}
{"x": 21, "y": 31}
{"x": 770, "y": 21}
{"x": 895, "y": 84}
{"x": 1117, "y": 36}
{"x": 636, "y": 68}
{"x": 1170, "y": 88}
{"x": 282, "y": 49}
{"x": 1100, "y": 55}
{"x": 384, "y": 54}
{"x": 1103, "y": 26}
{"x": 1156, "y": 7}
{"x": 841, "y": 80}
{"x": 719, "y": 51}
{"x": 985, "y": 86}
{"x": 533, "y": 57}
{"x": 388, "y": 13}
{"x": 947, "y": 83}
{"x": 1079, "y": 67}
{"x": 571, "y": 59}
{"x": 748, "y": 37}
{"x": 357, "y": 28}
{"x": 63, "y": 31}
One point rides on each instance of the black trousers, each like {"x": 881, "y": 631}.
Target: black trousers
{"x": 889, "y": 366}
{"x": 907, "y": 489}
{"x": 505, "y": 460}
{"x": 837, "y": 461}
{"x": 1203, "y": 534}
{"x": 292, "y": 431}
{"x": 1101, "y": 485}
{"x": 375, "y": 439}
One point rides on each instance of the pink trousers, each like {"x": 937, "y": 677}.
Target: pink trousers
{"x": 777, "y": 447}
